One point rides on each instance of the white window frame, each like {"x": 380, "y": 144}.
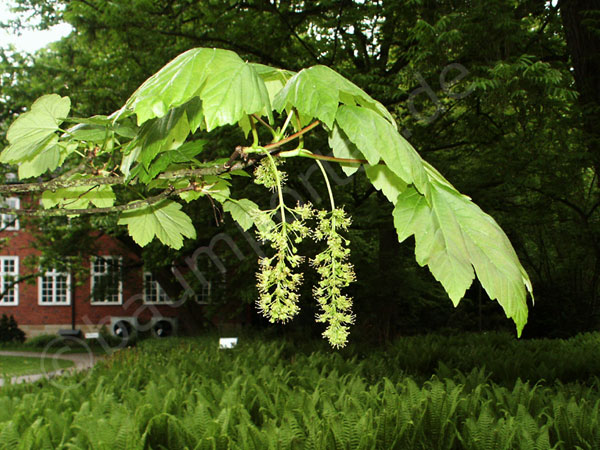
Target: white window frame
{"x": 160, "y": 292}
{"x": 204, "y": 297}
{"x": 14, "y": 274}
{"x": 93, "y": 274}
{"x": 6, "y": 219}
{"x": 53, "y": 273}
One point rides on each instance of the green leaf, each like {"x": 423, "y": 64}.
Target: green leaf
{"x": 89, "y": 133}
{"x": 234, "y": 90}
{"x": 126, "y": 131}
{"x": 457, "y": 240}
{"x": 386, "y": 181}
{"x": 188, "y": 151}
{"x": 32, "y": 131}
{"x": 166, "y": 133}
{"x": 240, "y": 173}
{"x": 79, "y": 197}
{"x": 175, "y": 84}
{"x": 102, "y": 196}
{"x": 377, "y": 139}
{"x": 183, "y": 154}
{"x": 219, "y": 190}
{"x": 215, "y": 186}
{"x": 228, "y": 87}
{"x": 274, "y": 79}
{"x": 343, "y": 148}
{"x": 318, "y": 91}
{"x": 190, "y": 196}
{"x": 48, "y": 157}
{"x": 245, "y": 125}
{"x": 164, "y": 220}
{"x": 132, "y": 153}
{"x": 245, "y": 212}
{"x": 193, "y": 110}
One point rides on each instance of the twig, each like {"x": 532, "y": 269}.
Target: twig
{"x": 170, "y": 191}
{"x": 56, "y": 183}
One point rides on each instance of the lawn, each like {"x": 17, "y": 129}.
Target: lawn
{"x": 474, "y": 391}
{"x": 19, "y": 365}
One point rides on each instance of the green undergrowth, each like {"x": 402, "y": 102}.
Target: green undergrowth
{"x": 501, "y": 355}
{"x": 418, "y": 393}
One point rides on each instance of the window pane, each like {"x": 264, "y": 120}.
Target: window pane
{"x": 54, "y": 288}
{"x": 153, "y": 292}
{"x": 10, "y": 221}
{"x": 106, "y": 280}
{"x": 8, "y": 274}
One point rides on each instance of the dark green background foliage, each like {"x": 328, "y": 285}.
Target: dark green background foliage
{"x": 518, "y": 133}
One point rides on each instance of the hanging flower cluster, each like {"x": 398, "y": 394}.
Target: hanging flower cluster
{"x": 336, "y": 273}
{"x": 278, "y": 280}
{"x": 278, "y": 276}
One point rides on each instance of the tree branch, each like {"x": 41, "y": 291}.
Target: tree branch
{"x": 57, "y": 183}
{"x": 170, "y": 191}
{"x": 291, "y": 137}
{"x": 307, "y": 154}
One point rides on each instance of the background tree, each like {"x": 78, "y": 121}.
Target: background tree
{"x": 515, "y": 143}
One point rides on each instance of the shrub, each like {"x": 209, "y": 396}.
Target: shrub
{"x": 41, "y": 341}
{"x": 9, "y": 330}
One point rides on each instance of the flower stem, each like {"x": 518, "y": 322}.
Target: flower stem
{"x": 327, "y": 183}
{"x": 254, "y": 132}
{"x": 279, "y": 190}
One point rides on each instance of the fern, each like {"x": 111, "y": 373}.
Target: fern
{"x": 487, "y": 433}
{"x": 250, "y": 400}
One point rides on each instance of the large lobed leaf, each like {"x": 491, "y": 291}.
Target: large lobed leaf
{"x": 318, "y": 91}
{"x": 343, "y": 148}
{"x": 32, "y": 137}
{"x": 48, "y": 157}
{"x": 247, "y": 213}
{"x": 457, "y": 240}
{"x": 453, "y": 236}
{"x": 164, "y": 220}
{"x": 243, "y": 211}
{"x": 165, "y": 133}
{"x": 377, "y": 139}
{"x": 274, "y": 79}
{"x": 228, "y": 87}
{"x": 79, "y": 197}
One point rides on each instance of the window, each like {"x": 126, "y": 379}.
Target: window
{"x": 107, "y": 285}
{"x": 10, "y": 222}
{"x": 153, "y": 292}
{"x": 9, "y": 271}
{"x": 203, "y": 296}
{"x": 54, "y": 288}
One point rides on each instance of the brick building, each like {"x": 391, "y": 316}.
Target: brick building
{"x": 49, "y": 301}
